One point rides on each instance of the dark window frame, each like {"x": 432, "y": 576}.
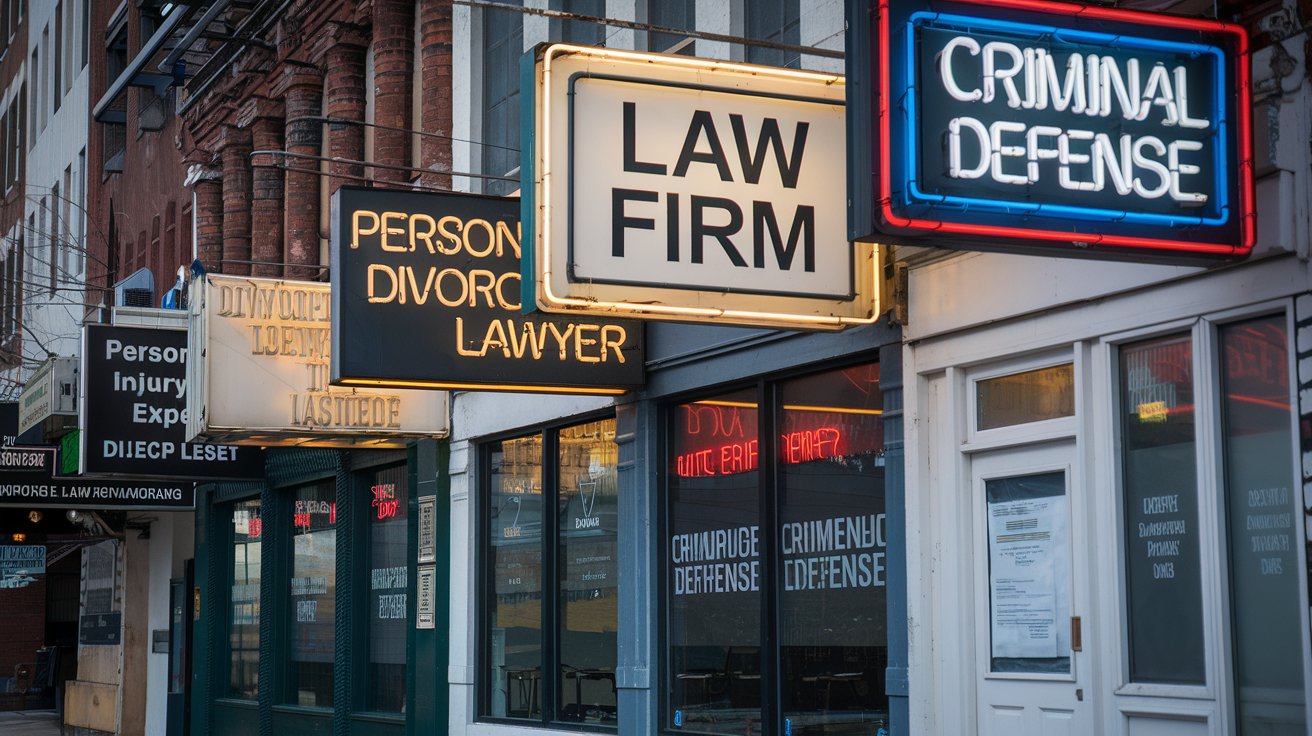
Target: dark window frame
{"x": 550, "y": 614}
{"x": 226, "y": 559}
{"x": 768, "y": 389}
{"x": 361, "y": 480}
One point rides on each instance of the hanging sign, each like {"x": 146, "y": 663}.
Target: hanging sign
{"x": 37, "y": 488}
{"x": 258, "y": 361}
{"x": 669, "y": 187}
{"x": 1030, "y": 126}
{"x": 134, "y": 413}
{"x": 427, "y": 293}
{"x": 49, "y": 391}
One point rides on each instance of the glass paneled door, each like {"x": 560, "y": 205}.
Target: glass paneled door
{"x": 1029, "y": 568}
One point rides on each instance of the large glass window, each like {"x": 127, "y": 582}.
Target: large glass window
{"x": 1262, "y": 507}
{"x": 672, "y": 14}
{"x": 313, "y": 588}
{"x": 503, "y": 43}
{"x": 549, "y": 572}
{"x": 388, "y": 590}
{"x": 714, "y": 604}
{"x": 1162, "y": 554}
{"x": 778, "y": 21}
{"x": 244, "y": 599}
{"x": 823, "y": 501}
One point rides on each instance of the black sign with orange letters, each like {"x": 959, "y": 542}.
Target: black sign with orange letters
{"x": 426, "y": 293}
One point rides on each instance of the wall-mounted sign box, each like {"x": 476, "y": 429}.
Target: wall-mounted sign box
{"x": 257, "y": 369}
{"x": 1029, "y": 126}
{"x": 134, "y": 408}
{"x": 51, "y": 390}
{"x": 426, "y": 293}
{"x": 669, "y": 187}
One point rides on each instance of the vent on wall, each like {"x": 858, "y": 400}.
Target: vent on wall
{"x": 137, "y": 290}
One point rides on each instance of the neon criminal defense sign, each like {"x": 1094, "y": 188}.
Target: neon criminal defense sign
{"x": 1032, "y": 126}
{"x": 670, "y": 187}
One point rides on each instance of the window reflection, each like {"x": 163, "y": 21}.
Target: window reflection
{"x": 1261, "y": 497}
{"x": 515, "y": 566}
{"x": 388, "y": 589}
{"x": 313, "y": 595}
{"x": 714, "y": 599}
{"x": 1162, "y": 558}
{"x": 244, "y": 599}
{"x": 832, "y": 543}
{"x": 588, "y": 505}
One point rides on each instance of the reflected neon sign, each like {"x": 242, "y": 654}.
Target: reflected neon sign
{"x": 731, "y": 458}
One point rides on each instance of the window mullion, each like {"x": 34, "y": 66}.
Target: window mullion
{"x": 770, "y": 592}
{"x": 551, "y": 576}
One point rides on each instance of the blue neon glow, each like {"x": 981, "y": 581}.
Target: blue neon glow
{"x": 946, "y": 21}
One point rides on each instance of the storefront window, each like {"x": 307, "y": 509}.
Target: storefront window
{"x": 388, "y": 590}
{"x": 514, "y": 568}
{"x": 714, "y": 604}
{"x": 244, "y": 598}
{"x": 1262, "y": 504}
{"x": 588, "y": 505}
{"x": 313, "y": 595}
{"x": 534, "y": 625}
{"x": 825, "y": 556}
{"x": 1162, "y": 553}
{"x": 832, "y": 543}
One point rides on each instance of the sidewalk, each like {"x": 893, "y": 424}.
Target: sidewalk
{"x": 30, "y": 723}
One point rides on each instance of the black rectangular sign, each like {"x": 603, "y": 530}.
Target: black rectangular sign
{"x": 37, "y": 488}
{"x": 100, "y": 628}
{"x": 426, "y": 293}
{"x": 30, "y": 459}
{"x": 135, "y": 420}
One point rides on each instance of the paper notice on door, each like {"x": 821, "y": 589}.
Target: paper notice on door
{"x": 1024, "y": 575}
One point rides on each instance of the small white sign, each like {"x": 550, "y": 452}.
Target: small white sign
{"x": 1024, "y": 575}
{"x": 669, "y": 187}
{"x": 427, "y": 529}
{"x": 426, "y": 588}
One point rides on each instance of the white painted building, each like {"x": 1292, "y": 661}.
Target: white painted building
{"x": 58, "y": 114}
{"x": 1150, "y": 417}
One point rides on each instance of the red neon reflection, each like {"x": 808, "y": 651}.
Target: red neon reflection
{"x": 303, "y": 518}
{"x": 385, "y": 503}
{"x": 254, "y": 526}
{"x": 1247, "y": 214}
{"x": 802, "y": 446}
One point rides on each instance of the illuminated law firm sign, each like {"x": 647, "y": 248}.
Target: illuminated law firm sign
{"x": 258, "y": 366}
{"x": 669, "y": 187}
{"x": 1024, "y": 125}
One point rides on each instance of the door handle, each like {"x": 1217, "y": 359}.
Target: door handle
{"x": 1077, "y": 645}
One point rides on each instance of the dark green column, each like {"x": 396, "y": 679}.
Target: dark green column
{"x": 428, "y": 693}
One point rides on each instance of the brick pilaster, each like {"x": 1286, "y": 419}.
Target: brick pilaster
{"x": 344, "y": 101}
{"x": 302, "y": 91}
{"x": 207, "y": 184}
{"x": 235, "y": 152}
{"x": 393, "y": 49}
{"x": 267, "y": 191}
{"x": 435, "y": 63}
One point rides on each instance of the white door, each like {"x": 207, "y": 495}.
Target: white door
{"x": 1030, "y": 588}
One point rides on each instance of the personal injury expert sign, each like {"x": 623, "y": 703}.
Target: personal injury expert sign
{"x": 1020, "y": 124}
{"x": 668, "y": 187}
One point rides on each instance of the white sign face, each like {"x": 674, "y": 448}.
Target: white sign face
{"x": 42, "y": 393}
{"x": 260, "y": 353}
{"x": 669, "y": 187}
{"x": 1024, "y": 575}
